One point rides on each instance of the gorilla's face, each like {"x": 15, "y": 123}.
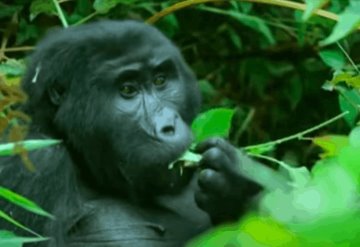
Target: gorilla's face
{"x": 131, "y": 111}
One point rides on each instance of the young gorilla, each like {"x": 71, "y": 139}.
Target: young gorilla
{"x": 121, "y": 98}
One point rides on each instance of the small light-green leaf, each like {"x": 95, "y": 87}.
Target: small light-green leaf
{"x": 334, "y": 58}
{"x": 9, "y": 148}
{"x": 312, "y": 6}
{"x": 23, "y": 202}
{"x": 215, "y": 122}
{"x": 349, "y": 20}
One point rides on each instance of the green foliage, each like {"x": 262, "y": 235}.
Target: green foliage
{"x": 334, "y": 58}
{"x": 9, "y": 239}
{"x": 215, "y": 122}
{"x": 10, "y": 148}
{"x": 253, "y": 22}
{"x": 308, "y": 213}
{"x": 349, "y": 21}
{"x": 264, "y": 61}
{"x": 104, "y": 6}
{"x": 312, "y": 6}
{"x": 12, "y": 67}
{"x": 22, "y": 202}
{"x": 41, "y": 7}
{"x": 349, "y": 100}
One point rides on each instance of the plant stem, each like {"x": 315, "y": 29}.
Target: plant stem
{"x": 348, "y": 57}
{"x": 297, "y": 135}
{"x": 60, "y": 13}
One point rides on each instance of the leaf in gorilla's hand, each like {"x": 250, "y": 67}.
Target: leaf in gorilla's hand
{"x": 188, "y": 159}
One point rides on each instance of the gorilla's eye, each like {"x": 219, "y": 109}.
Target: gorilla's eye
{"x": 160, "y": 80}
{"x": 128, "y": 90}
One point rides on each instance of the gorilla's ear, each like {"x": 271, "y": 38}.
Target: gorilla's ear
{"x": 56, "y": 94}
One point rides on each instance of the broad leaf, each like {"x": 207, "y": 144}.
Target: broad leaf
{"x": 349, "y": 20}
{"x": 215, "y": 122}
{"x": 349, "y": 101}
{"x": 334, "y": 58}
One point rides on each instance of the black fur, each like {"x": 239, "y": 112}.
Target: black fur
{"x": 120, "y": 97}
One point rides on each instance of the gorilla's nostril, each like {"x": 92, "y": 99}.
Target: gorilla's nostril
{"x": 168, "y": 130}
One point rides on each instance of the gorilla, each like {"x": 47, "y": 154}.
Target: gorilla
{"x": 120, "y": 97}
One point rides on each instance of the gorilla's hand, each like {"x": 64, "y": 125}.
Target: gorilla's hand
{"x": 223, "y": 191}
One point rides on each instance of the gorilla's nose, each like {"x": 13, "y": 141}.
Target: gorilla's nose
{"x": 165, "y": 123}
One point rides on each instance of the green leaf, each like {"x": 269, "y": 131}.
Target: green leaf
{"x": 349, "y": 158}
{"x": 331, "y": 144}
{"x": 253, "y": 22}
{"x": 42, "y": 6}
{"x": 190, "y": 156}
{"x": 12, "y": 67}
{"x": 312, "y": 6}
{"x": 334, "y": 58}
{"x": 10, "y": 148}
{"x": 9, "y": 239}
{"x": 349, "y": 101}
{"x": 8, "y": 218}
{"x": 104, "y": 6}
{"x": 251, "y": 231}
{"x": 350, "y": 79}
{"x": 349, "y": 20}
{"x": 354, "y": 138}
{"x": 215, "y": 122}
{"x": 23, "y": 202}
{"x": 8, "y": 11}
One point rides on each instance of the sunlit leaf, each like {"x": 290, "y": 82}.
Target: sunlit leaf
{"x": 331, "y": 144}
{"x": 312, "y": 6}
{"x": 22, "y": 202}
{"x": 225, "y": 235}
{"x": 215, "y": 122}
{"x": 349, "y": 158}
{"x": 354, "y": 138}
{"x": 334, "y": 58}
{"x": 346, "y": 77}
{"x": 260, "y": 231}
{"x": 10, "y": 148}
{"x": 349, "y": 20}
